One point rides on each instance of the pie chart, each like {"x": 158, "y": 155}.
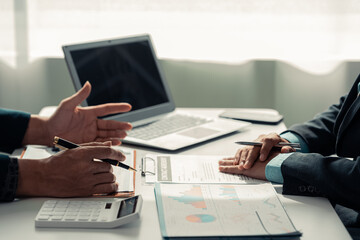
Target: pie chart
{"x": 200, "y": 218}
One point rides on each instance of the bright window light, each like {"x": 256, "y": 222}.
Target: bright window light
{"x": 230, "y": 31}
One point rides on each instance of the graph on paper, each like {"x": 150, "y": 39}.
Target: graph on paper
{"x": 221, "y": 210}
{"x": 193, "y": 196}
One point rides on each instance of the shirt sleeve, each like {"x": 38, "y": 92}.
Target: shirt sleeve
{"x": 295, "y": 138}
{"x": 273, "y": 168}
{"x": 9, "y": 172}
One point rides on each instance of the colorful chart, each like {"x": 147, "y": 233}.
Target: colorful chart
{"x": 193, "y": 196}
{"x": 200, "y": 218}
{"x": 229, "y": 193}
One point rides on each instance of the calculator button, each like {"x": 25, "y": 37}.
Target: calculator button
{"x": 46, "y": 210}
{"x": 71, "y": 214}
{"x": 56, "y": 218}
{"x": 60, "y": 210}
{"x": 60, "y": 207}
{"x": 84, "y": 214}
{"x": 74, "y": 210}
{"x": 59, "y": 214}
{"x": 43, "y": 217}
{"x": 49, "y": 206}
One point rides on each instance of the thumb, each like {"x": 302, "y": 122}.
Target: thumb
{"x": 287, "y": 149}
{"x": 75, "y": 100}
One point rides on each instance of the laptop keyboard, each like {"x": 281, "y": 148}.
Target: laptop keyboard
{"x": 166, "y": 126}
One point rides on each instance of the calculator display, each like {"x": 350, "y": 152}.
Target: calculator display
{"x": 127, "y": 207}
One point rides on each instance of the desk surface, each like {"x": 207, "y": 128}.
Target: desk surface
{"x": 315, "y": 217}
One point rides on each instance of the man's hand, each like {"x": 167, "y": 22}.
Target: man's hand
{"x": 78, "y": 124}
{"x": 70, "y": 173}
{"x": 228, "y": 165}
{"x": 246, "y": 156}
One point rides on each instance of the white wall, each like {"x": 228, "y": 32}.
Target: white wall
{"x": 295, "y": 93}
{"x": 296, "y": 56}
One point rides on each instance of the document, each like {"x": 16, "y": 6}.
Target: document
{"x": 125, "y": 178}
{"x": 189, "y": 169}
{"x": 221, "y": 210}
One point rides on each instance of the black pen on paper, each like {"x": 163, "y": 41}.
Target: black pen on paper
{"x": 69, "y": 145}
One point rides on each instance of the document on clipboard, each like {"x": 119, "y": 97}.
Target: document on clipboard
{"x": 125, "y": 178}
{"x": 171, "y": 168}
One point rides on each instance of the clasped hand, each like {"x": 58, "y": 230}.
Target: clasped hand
{"x": 252, "y": 160}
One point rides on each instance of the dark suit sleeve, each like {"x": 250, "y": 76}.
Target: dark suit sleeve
{"x": 12, "y": 128}
{"x": 318, "y": 132}
{"x": 312, "y": 174}
{"x": 13, "y": 125}
{"x": 9, "y": 172}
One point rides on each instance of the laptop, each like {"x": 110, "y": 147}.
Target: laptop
{"x": 127, "y": 70}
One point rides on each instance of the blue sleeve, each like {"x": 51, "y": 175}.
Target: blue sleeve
{"x": 273, "y": 168}
{"x": 295, "y": 138}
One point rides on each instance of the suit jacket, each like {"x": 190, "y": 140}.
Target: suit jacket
{"x": 335, "y": 131}
{"x": 13, "y": 125}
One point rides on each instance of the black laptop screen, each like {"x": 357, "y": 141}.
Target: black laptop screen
{"x": 125, "y": 72}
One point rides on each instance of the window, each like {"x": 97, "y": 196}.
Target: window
{"x": 206, "y": 30}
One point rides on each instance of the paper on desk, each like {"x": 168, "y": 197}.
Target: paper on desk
{"x": 207, "y": 210}
{"x": 190, "y": 169}
{"x": 125, "y": 178}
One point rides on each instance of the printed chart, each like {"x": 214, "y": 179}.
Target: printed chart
{"x": 221, "y": 210}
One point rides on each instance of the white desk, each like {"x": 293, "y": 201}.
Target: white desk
{"x": 315, "y": 217}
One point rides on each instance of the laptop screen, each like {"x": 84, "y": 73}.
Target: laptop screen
{"x": 122, "y": 70}
{"x": 121, "y": 73}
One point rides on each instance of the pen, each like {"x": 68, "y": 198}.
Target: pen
{"x": 279, "y": 145}
{"x": 69, "y": 145}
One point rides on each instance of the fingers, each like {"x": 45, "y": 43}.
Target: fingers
{"x": 109, "y": 108}
{"x": 101, "y": 167}
{"x": 105, "y": 188}
{"x": 102, "y": 178}
{"x": 101, "y": 152}
{"x": 251, "y": 158}
{"x": 227, "y": 162}
{"x": 287, "y": 149}
{"x": 246, "y": 157}
{"x": 74, "y": 100}
{"x": 114, "y": 141}
{"x": 230, "y": 169}
{"x": 111, "y": 134}
{"x": 99, "y": 143}
{"x": 113, "y": 125}
{"x": 269, "y": 141}
{"x": 104, "y": 183}
{"x": 112, "y": 130}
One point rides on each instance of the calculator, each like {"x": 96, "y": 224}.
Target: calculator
{"x": 105, "y": 213}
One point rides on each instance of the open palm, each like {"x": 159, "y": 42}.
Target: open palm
{"x": 81, "y": 124}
